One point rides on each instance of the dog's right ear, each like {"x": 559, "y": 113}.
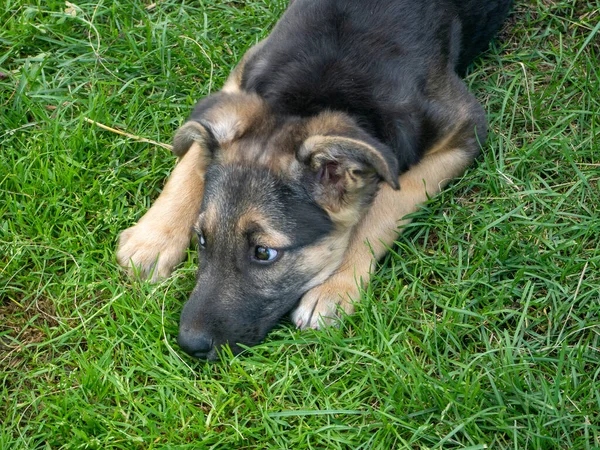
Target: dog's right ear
{"x": 193, "y": 131}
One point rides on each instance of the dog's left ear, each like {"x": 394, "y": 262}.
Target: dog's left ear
{"x": 191, "y": 132}
{"x": 346, "y": 170}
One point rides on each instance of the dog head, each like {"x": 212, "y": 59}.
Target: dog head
{"x": 281, "y": 196}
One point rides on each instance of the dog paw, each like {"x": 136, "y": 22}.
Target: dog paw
{"x": 321, "y": 305}
{"x": 151, "y": 253}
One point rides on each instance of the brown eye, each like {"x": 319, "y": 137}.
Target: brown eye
{"x": 265, "y": 254}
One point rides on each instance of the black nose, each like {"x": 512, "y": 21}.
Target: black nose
{"x": 195, "y": 343}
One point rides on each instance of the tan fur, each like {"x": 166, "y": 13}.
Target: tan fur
{"x": 268, "y": 237}
{"x": 279, "y": 154}
{"x": 261, "y": 144}
{"x": 329, "y": 123}
{"x": 325, "y": 256}
{"x": 159, "y": 240}
{"x": 235, "y": 116}
{"x": 323, "y": 301}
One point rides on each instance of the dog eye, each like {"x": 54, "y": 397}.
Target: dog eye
{"x": 201, "y": 239}
{"x": 265, "y": 254}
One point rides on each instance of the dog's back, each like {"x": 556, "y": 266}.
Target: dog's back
{"x": 480, "y": 20}
{"x": 371, "y": 59}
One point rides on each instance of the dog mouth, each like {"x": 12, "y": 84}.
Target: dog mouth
{"x": 201, "y": 346}
{"x": 220, "y": 337}
{"x": 215, "y": 353}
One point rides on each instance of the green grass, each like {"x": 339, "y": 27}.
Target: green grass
{"x": 481, "y": 328}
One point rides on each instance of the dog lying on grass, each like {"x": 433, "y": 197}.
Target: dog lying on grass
{"x": 297, "y": 175}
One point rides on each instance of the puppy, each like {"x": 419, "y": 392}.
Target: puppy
{"x": 297, "y": 176}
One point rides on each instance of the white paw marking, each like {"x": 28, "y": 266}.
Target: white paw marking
{"x": 151, "y": 252}
{"x": 319, "y": 307}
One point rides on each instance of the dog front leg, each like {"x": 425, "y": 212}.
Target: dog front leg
{"x": 376, "y": 232}
{"x": 159, "y": 240}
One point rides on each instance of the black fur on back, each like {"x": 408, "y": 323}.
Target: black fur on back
{"x": 373, "y": 59}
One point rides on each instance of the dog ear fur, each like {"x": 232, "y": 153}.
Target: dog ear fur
{"x": 191, "y": 132}
{"x": 220, "y": 119}
{"x": 347, "y": 170}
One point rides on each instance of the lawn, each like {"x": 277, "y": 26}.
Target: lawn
{"x": 480, "y": 330}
